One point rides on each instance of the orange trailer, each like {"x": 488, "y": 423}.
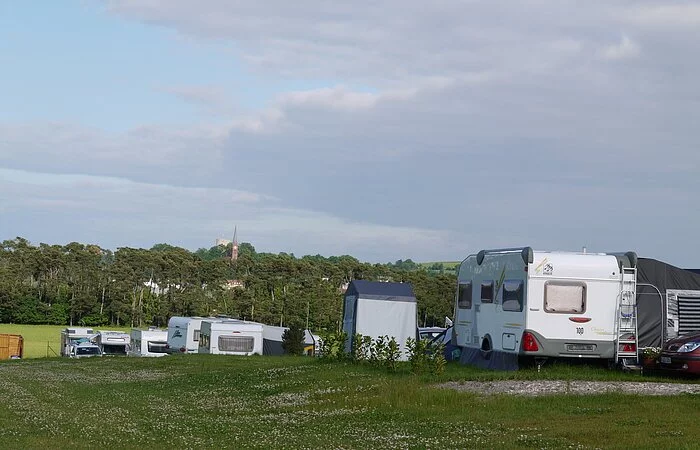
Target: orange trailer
{"x": 11, "y": 346}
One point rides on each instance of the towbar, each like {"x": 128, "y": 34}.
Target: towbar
{"x": 525, "y": 252}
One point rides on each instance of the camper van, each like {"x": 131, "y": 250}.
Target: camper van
{"x": 71, "y": 336}
{"x": 152, "y": 342}
{"x": 113, "y": 343}
{"x": 231, "y": 337}
{"x": 513, "y": 303}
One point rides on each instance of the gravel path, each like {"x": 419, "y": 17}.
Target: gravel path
{"x": 550, "y": 387}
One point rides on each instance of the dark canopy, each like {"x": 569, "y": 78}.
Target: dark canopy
{"x": 652, "y": 275}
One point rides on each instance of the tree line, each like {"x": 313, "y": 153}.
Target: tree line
{"x": 85, "y": 285}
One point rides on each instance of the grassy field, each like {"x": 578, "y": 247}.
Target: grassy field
{"x": 200, "y": 401}
{"x": 41, "y": 341}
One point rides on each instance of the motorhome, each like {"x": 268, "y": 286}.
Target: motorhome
{"x": 113, "y": 343}
{"x": 152, "y": 342}
{"x": 231, "y": 337}
{"x": 514, "y": 303}
{"x": 70, "y": 336}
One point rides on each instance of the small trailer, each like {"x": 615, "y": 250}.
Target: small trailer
{"x": 231, "y": 337}
{"x": 183, "y": 334}
{"x": 11, "y": 346}
{"x": 152, "y": 342}
{"x": 514, "y": 303}
{"x": 70, "y": 336}
{"x": 113, "y": 343}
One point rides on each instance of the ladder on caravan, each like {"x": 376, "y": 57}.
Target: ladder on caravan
{"x": 626, "y": 322}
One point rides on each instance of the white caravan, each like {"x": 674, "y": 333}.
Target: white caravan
{"x": 72, "y": 336}
{"x": 183, "y": 334}
{"x": 231, "y": 337}
{"x": 516, "y": 302}
{"x": 151, "y": 342}
{"x": 113, "y": 342}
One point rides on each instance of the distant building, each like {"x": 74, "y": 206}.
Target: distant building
{"x": 234, "y": 246}
{"x": 230, "y": 284}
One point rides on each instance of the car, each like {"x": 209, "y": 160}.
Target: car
{"x": 429, "y": 333}
{"x": 681, "y": 354}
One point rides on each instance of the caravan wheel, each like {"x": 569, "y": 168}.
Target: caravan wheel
{"x": 486, "y": 347}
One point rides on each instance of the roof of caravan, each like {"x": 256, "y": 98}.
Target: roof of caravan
{"x": 150, "y": 333}
{"x": 377, "y": 290}
{"x": 233, "y": 324}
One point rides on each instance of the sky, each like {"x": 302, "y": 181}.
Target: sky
{"x": 384, "y": 130}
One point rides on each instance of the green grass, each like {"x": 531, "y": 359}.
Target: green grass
{"x": 41, "y": 341}
{"x": 284, "y": 402}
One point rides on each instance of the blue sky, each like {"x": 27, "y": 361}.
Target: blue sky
{"x": 385, "y": 130}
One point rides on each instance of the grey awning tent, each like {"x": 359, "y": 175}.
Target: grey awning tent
{"x": 377, "y": 309}
{"x": 663, "y": 291}
{"x": 272, "y": 339}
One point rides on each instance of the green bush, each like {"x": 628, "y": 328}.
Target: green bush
{"x": 293, "y": 340}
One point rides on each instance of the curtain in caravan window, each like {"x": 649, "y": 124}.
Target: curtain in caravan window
{"x": 513, "y": 295}
{"x": 242, "y": 344}
{"x": 464, "y": 299}
{"x": 564, "y": 297}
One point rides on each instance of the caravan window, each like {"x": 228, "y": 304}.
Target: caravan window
{"x": 513, "y": 295}
{"x": 242, "y": 344}
{"x": 564, "y": 297}
{"x": 204, "y": 341}
{"x": 464, "y": 299}
{"x": 157, "y": 347}
{"x": 195, "y": 336}
{"x": 487, "y": 291}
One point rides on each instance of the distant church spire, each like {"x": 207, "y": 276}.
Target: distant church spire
{"x": 234, "y": 245}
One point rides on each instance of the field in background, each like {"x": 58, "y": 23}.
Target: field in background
{"x": 41, "y": 341}
{"x": 297, "y": 402}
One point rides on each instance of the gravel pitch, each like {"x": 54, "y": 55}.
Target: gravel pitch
{"x": 536, "y": 388}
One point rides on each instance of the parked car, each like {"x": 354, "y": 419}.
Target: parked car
{"x": 682, "y": 354}
{"x": 429, "y": 332}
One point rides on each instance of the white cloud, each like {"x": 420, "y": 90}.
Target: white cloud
{"x": 625, "y": 49}
{"x": 666, "y": 14}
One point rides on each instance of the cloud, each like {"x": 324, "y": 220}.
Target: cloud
{"x": 666, "y": 14}
{"x": 625, "y": 49}
{"x": 117, "y": 212}
{"x": 414, "y": 131}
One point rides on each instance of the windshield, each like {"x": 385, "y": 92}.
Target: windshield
{"x": 82, "y": 351}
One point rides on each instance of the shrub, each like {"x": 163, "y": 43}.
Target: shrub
{"x": 416, "y": 352}
{"x": 333, "y": 346}
{"x": 293, "y": 340}
{"x": 437, "y": 359}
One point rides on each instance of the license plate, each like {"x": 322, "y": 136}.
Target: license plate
{"x": 665, "y": 360}
{"x": 580, "y": 347}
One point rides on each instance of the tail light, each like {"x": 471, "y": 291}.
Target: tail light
{"x": 183, "y": 349}
{"x": 529, "y": 342}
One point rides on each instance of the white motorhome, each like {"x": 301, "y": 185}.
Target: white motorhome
{"x": 183, "y": 334}
{"x": 113, "y": 343}
{"x": 231, "y": 337}
{"x": 151, "y": 342}
{"x": 517, "y": 302}
{"x": 71, "y": 336}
